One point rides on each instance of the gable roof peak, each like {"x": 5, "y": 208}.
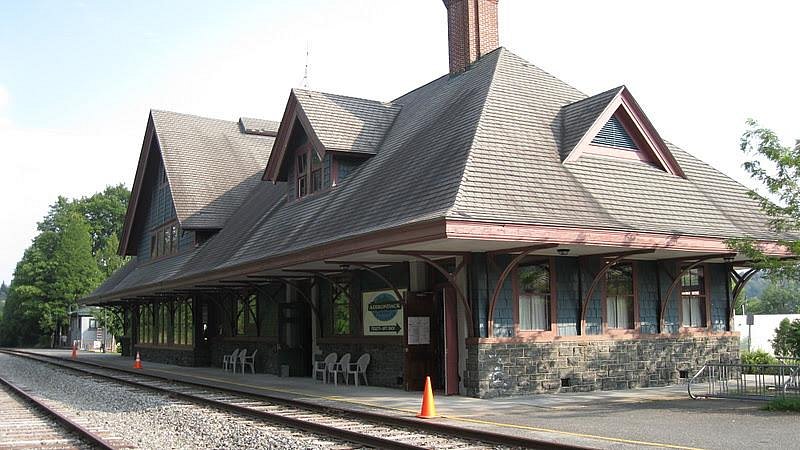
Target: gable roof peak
{"x": 210, "y": 165}
{"x": 583, "y": 120}
{"x": 332, "y": 122}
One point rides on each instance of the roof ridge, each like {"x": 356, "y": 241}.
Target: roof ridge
{"x": 614, "y": 89}
{"x": 216, "y": 119}
{"x": 152, "y": 110}
{"x": 301, "y": 90}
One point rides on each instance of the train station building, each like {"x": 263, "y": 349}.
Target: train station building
{"x": 495, "y": 229}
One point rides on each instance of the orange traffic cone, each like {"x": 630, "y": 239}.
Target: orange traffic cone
{"x": 428, "y": 408}
{"x": 74, "y": 351}
{"x": 138, "y": 363}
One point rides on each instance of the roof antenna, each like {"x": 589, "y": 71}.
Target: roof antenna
{"x": 306, "y": 81}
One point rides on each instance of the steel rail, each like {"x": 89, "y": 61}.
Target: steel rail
{"x": 413, "y": 423}
{"x": 333, "y": 432}
{"x": 65, "y": 422}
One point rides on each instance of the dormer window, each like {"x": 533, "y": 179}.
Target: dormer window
{"x": 302, "y": 175}
{"x": 612, "y": 125}
{"x": 309, "y": 172}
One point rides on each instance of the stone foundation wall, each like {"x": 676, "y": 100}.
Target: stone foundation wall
{"x": 386, "y": 361}
{"x": 166, "y": 355}
{"x": 503, "y": 369}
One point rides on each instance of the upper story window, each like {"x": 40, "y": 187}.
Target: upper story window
{"x": 619, "y": 296}
{"x": 693, "y": 298}
{"x": 165, "y": 240}
{"x": 308, "y": 169}
{"x": 534, "y": 297}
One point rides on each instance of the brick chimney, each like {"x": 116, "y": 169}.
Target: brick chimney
{"x": 472, "y": 31}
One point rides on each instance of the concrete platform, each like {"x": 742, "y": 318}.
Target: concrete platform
{"x": 639, "y": 418}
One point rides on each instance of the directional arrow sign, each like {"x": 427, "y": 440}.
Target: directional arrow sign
{"x": 385, "y": 328}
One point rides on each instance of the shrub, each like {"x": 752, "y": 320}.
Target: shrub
{"x": 783, "y": 404}
{"x": 757, "y": 357}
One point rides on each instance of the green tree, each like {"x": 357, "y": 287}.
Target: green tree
{"x": 105, "y": 214}
{"x": 75, "y": 273}
{"x": 779, "y": 297}
{"x": 777, "y": 167}
{"x": 73, "y": 252}
{"x": 3, "y": 297}
{"x": 108, "y": 260}
{"x": 787, "y": 339}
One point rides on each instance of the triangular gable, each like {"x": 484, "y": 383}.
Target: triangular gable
{"x": 333, "y": 123}
{"x": 578, "y": 117}
{"x": 150, "y": 138}
{"x": 613, "y": 124}
{"x": 292, "y": 115}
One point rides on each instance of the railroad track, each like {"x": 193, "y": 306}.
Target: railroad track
{"x": 361, "y": 428}
{"x": 30, "y": 422}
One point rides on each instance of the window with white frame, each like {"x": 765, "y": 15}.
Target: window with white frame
{"x": 534, "y": 297}
{"x": 619, "y": 297}
{"x": 693, "y": 298}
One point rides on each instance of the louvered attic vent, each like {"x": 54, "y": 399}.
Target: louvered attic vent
{"x": 613, "y": 134}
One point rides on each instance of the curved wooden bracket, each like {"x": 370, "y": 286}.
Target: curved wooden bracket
{"x": 525, "y": 251}
{"x": 302, "y": 296}
{"x": 220, "y": 302}
{"x": 335, "y": 284}
{"x": 596, "y": 282}
{"x": 740, "y": 282}
{"x": 450, "y": 277}
{"x": 337, "y": 288}
{"x": 369, "y": 269}
{"x": 115, "y": 311}
{"x": 269, "y": 295}
{"x": 665, "y": 300}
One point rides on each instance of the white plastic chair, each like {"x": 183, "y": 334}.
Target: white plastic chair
{"x": 240, "y": 360}
{"x": 324, "y": 365}
{"x": 358, "y": 368}
{"x": 230, "y": 360}
{"x": 249, "y": 360}
{"x": 340, "y": 367}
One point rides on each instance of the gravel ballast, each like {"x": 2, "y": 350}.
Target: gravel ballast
{"x": 149, "y": 420}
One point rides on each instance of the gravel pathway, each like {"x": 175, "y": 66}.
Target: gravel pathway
{"x": 149, "y": 420}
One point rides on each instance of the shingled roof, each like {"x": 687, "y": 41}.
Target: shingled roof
{"x": 211, "y": 165}
{"x": 484, "y": 145}
{"x": 577, "y": 117}
{"x": 346, "y": 124}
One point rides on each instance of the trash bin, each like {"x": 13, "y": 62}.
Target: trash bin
{"x": 284, "y": 370}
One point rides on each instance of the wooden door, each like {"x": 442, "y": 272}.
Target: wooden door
{"x": 421, "y": 335}
{"x": 294, "y": 336}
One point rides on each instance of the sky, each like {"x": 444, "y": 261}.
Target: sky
{"x": 77, "y": 78}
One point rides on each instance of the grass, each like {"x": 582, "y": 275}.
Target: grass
{"x": 791, "y": 404}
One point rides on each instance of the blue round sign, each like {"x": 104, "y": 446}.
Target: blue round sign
{"x": 384, "y": 307}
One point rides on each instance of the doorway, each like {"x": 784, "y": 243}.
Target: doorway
{"x": 294, "y": 337}
{"x": 431, "y": 341}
